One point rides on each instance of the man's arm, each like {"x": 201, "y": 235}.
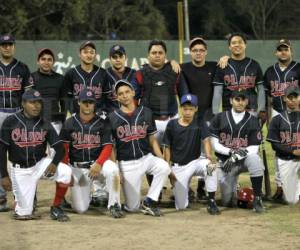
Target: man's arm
{"x": 155, "y": 146}
{"x": 217, "y": 99}
{"x": 207, "y": 148}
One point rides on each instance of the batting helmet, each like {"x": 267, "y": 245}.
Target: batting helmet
{"x": 245, "y": 198}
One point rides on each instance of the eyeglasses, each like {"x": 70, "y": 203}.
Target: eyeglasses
{"x": 198, "y": 50}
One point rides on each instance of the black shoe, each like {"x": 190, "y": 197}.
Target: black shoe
{"x": 191, "y": 195}
{"x": 257, "y": 205}
{"x": 278, "y": 196}
{"x": 115, "y": 211}
{"x": 150, "y": 208}
{"x": 201, "y": 195}
{"x": 65, "y": 204}
{"x": 98, "y": 202}
{"x": 212, "y": 207}
{"x": 56, "y": 213}
{"x": 26, "y": 217}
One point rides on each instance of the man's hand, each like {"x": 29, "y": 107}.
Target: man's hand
{"x": 6, "y": 183}
{"x": 175, "y": 66}
{"x": 296, "y": 152}
{"x": 172, "y": 178}
{"x": 50, "y": 171}
{"x": 95, "y": 170}
{"x": 223, "y": 62}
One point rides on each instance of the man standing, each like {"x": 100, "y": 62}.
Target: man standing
{"x": 24, "y": 136}
{"x": 278, "y": 77}
{"x": 117, "y": 71}
{"x": 240, "y": 73}
{"x": 14, "y": 78}
{"x": 236, "y": 138}
{"x": 88, "y": 144}
{"x": 133, "y": 129}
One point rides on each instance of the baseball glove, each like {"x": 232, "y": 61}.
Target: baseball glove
{"x": 228, "y": 164}
{"x": 211, "y": 167}
{"x": 239, "y": 154}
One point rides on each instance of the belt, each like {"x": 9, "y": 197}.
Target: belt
{"x": 16, "y": 165}
{"x": 83, "y": 164}
{"x": 9, "y": 110}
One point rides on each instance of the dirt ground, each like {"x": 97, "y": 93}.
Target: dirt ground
{"x": 193, "y": 228}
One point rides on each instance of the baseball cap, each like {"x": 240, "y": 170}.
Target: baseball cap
{"x": 292, "y": 90}
{"x": 283, "y": 42}
{"x": 46, "y": 51}
{"x": 123, "y": 82}
{"x": 117, "y": 49}
{"x": 7, "y": 38}
{"x": 239, "y": 93}
{"x": 189, "y": 98}
{"x": 197, "y": 40}
{"x": 86, "y": 95}
{"x": 32, "y": 95}
{"x": 87, "y": 43}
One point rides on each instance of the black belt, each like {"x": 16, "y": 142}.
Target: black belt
{"x": 16, "y": 165}
{"x": 84, "y": 164}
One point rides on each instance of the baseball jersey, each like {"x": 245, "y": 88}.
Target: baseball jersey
{"x": 245, "y": 74}
{"x": 276, "y": 81}
{"x": 14, "y": 78}
{"x": 86, "y": 140}
{"x": 131, "y": 132}
{"x": 199, "y": 82}
{"x": 111, "y": 78}
{"x": 77, "y": 79}
{"x": 231, "y": 135}
{"x": 26, "y": 139}
{"x": 52, "y": 90}
{"x": 284, "y": 132}
{"x": 184, "y": 141}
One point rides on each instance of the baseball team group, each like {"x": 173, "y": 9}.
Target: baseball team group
{"x": 98, "y": 131}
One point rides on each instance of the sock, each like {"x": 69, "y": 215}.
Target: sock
{"x": 257, "y": 185}
{"x": 61, "y": 190}
{"x": 211, "y": 195}
{"x": 148, "y": 200}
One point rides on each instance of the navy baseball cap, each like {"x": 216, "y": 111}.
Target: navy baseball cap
{"x": 197, "y": 40}
{"x": 46, "y": 51}
{"x": 7, "y": 38}
{"x": 87, "y": 43}
{"x": 122, "y": 82}
{"x": 239, "y": 93}
{"x": 189, "y": 98}
{"x": 117, "y": 49}
{"x": 32, "y": 95}
{"x": 284, "y": 42}
{"x": 292, "y": 90}
{"x": 86, "y": 95}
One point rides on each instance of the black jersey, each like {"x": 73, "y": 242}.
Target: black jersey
{"x": 26, "y": 139}
{"x": 231, "y": 135}
{"x": 276, "y": 81}
{"x": 199, "y": 81}
{"x": 86, "y": 140}
{"x": 244, "y": 74}
{"x": 77, "y": 79}
{"x": 284, "y": 130}
{"x": 14, "y": 78}
{"x": 185, "y": 141}
{"x": 131, "y": 132}
{"x": 53, "y": 92}
{"x": 111, "y": 79}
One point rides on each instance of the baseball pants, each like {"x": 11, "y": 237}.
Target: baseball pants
{"x": 228, "y": 181}
{"x": 288, "y": 170}
{"x": 82, "y": 190}
{"x": 184, "y": 175}
{"x": 24, "y": 183}
{"x": 133, "y": 172}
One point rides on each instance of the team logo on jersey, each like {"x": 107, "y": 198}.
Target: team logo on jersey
{"x": 159, "y": 83}
{"x": 36, "y": 94}
{"x": 245, "y": 82}
{"x": 128, "y": 133}
{"x": 228, "y": 141}
{"x": 85, "y": 141}
{"x": 278, "y": 88}
{"x": 78, "y": 87}
{"x": 10, "y": 83}
{"x": 291, "y": 139}
{"x": 22, "y": 138}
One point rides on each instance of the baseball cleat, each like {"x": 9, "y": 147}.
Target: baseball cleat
{"x": 116, "y": 211}
{"x": 56, "y": 213}
{"x": 278, "y": 196}
{"x": 98, "y": 202}
{"x": 257, "y": 205}
{"x": 26, "y": 217}
{"x": 212, "y": 207}
{"x": 150, "y": 208}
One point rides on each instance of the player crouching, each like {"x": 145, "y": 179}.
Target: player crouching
{"x": 236, "y": 138}
{"x": 284, "y": 137}
{"x": 88, "y": 142}
{"x": 182, "y": 148}
{"x": 24, "y": 136}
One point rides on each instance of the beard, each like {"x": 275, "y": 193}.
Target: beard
{"x": 283, "y": 61}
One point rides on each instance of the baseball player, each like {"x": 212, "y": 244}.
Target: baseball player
{"x": 14, "y": 78}
{"x": 133, "y": 129}
{"x": 88, "y": 75}
{"x": 24, "y": 136}
{"x": 182, "y": 141}
{"x": 241, "y": 73}
{"x": 236, "y": 138}
{"x": 284, "y": 137}
{"x": 89, "y": 146}
{"x": 284, "y": 73}
{"x": 117, "y": 71}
